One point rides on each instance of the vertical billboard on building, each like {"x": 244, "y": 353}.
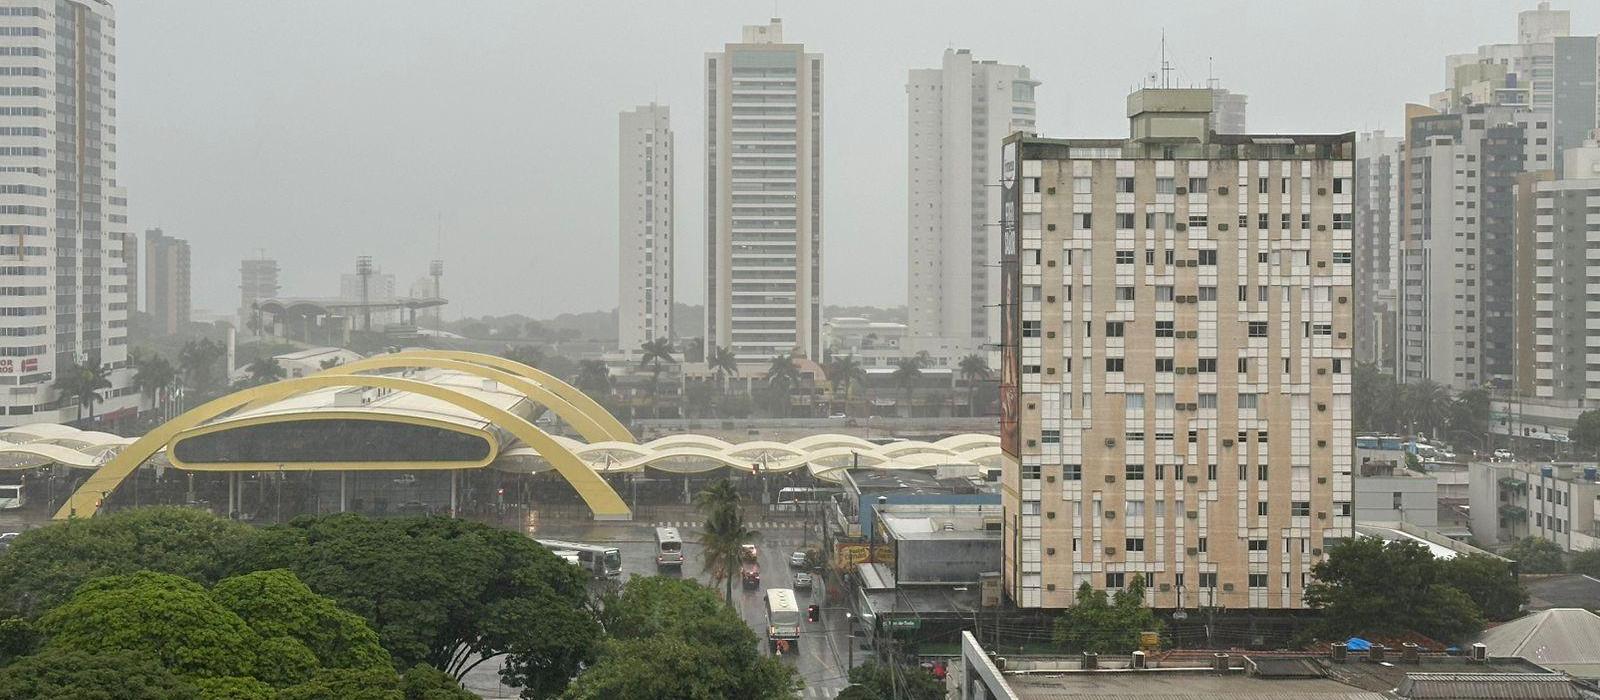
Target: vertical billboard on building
{"x": 1010, "y": 309}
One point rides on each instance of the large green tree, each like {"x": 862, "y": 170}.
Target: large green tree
{"x": 1586, "y": 563}
{"x": 875, "y": 681}
{"x": 43, "y": 566}
{"x": 1585, "y": 434}
{"x": 1488, "y": 581}
{"x": 673, "y": 638}
{"x": 1106, "y": 624}
{"x": 449, "y": 593}
{"x": 1536, "y": 555}
{"x": 1369, "y": 586}
{"x": 68, "y": 674}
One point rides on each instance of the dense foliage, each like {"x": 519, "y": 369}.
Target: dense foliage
{"x": 1380, "y": 404}
{"x": 1536, "y": 555}
{"x": 874, "y": 681}
{"x": 1106, "y": 624}
{"x": 175, "y": 603}
{"x": 673, "y": 638}
{"x": 1369, "y": 586}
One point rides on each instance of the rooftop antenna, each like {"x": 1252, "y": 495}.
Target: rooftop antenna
{"x": 1166, "y": 68}
{"x": 1211, "y": 75}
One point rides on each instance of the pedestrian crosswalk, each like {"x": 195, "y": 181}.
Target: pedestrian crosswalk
{"x": 767, "y": 525}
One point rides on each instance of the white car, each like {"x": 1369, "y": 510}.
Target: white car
{"x": 6, "y": 538}
{"x": 797, "y": 559}
{"x": 802, "y": 580}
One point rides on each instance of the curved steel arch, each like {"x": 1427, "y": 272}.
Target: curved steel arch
{"x": 592, "y": 427}
{"x": 571, "y": 394}
{"x": 600, "y": 497}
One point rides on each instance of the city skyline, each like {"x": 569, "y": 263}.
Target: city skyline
{"x": 537, "y": 184}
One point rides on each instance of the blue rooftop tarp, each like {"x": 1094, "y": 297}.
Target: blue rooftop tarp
{"x": 1358, "y": 644}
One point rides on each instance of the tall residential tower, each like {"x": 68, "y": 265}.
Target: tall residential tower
{"x": 644, "y": 226}
{"x": 957, "y": 115}
{"x": 1175, "y": 383}
{"x": 166, "y": 280}
{"x": 64, "y": 211}
{"x": 764, "y": 196}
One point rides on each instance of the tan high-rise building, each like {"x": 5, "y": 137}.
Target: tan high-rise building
{"x": 644, "y": 226}
{"x": 764, "y": 197}
{"x": 1176, "y": 374}
{"x": 166, "y": 280}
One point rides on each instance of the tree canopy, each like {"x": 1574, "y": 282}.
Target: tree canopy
{"x": 1536, "y": 555}
{"x": 874, "y": 681}
{"x": 67, "y": 674}
{"x": 1106, "y": 624}
{"x": 1369, "y": 586}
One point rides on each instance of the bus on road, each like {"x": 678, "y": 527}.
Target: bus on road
{"x": 11, "y": 497}
{"x": 783, "y": 622}
{"x": 669, "y": 548}
{"x": 599, "y": 560}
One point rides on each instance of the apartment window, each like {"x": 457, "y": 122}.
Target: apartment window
{"x": 1208, "y": 579}
{"x": 1169, "y": 256}
{"x": 1301, "y": 508}
{"x": 1208, "y": 257}
{"x": 1244, "y": 293}
{"x": 1207, "y": 401}
{"x": 1164, "y": 365}
{"x": 1207, "y": 365}
{"x": 1125, "y": 294}
{"x": 1072, "y": 472}
{"x": 1113, "y": 364}
{"x": 1049, "y": 437}
{"x": 1164, "y": 292}
{"x": 1197, "y": 221}
{"x": 1261, "y": 472}
{"x": 1338, "y": 185}
{"x": 1081, "y": 185}
{"x": 1258, "y": 329}
{"x": 1342, "y": 257}
{"x": 1030, "y": 329}
{"x": 1244, "y": 365}
{"x": 1125, "y": 221}
{"x": 1258, "y": 545}
{"x": 1247, "y": 401}
{"x": 1114, "y": 579}
{"x": 1261, "y": 507}
{"x": 1114, "y": 329}
{"x": 1125, "y": 185}
{"x": 1261, "y": 185}
{"x": 1030, "y": 471}
{"x": 1211, "y": 472}
{"x": 1150, "y": 257}
{"x": 1305, "y": 222}
{"x": 1133, "y": 472}
{"x": 1284, "y": 224}
{"x": 1164, "y": 185}
{"x": 1124, "y": 257}
{"x": 1177, "y": 472}
{"x": 1258, "y": 580}
{"x": 1133, "y": 544}
{"x": 1208, "y": 294}
{"x": 1263, "y": 220}
{"x": 1161, "y": 473}
{"x": 1244, "y": 221}
{"x": 1164, "y": 329}
{"x": 1200, "y": 545}
{"x": 1133, "y": 401}
{"x": 1083, "y": 221}
{"x": 1343, "y": 222}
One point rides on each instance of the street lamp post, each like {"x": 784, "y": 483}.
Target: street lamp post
{"x": 849, "y": 641}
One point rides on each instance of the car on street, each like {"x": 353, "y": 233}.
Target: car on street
{"x": 750, "y": 573}
{"x": 797, "y": 559}
{"x": 802, "y": 580}
{"x": 838, "y": 416}
{"x": 7, "y": 537}
{"x": 749, "y": 552}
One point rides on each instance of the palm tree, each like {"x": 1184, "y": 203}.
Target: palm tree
{"x": 694, "y": 350}
{"x": 724, "y": 364}
{"x": 655, "y": 352}
{"x": 907, "y": 370}
{"x": 782, "y": 378}
{"x": 725, "y": 534}
{"x": 198, "y": 363}
{"x": 848, "y": 372}
{"x": 1428, "y": 403}
{"x": 154, "y": 375}
{"x": 265, "y": 370}
{"x": 974, "y": 368}
{"x": 594, "y": 378}
{"x": 83, "y": 383}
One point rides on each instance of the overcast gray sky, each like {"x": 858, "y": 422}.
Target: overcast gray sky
{"x": 319, "y": 131}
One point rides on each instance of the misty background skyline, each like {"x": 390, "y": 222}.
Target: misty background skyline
{"x": 316, "y": 132}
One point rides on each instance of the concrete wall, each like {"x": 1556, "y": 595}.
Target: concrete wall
{"x": 946, "y": 559}
{"x": 1375, "y": 500}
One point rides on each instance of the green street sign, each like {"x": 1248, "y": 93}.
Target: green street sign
{"x": 903, "y": 623}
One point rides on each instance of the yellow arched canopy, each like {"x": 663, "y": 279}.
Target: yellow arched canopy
{"x": 600, "y": 497}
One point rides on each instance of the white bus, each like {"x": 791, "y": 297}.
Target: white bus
{"x": 599, "y": 560}
{"x": 783, "y": 621}
{"x": 800, "y": 495}
{"x": 669, "y": 547}
{"x": 11, "y": 497}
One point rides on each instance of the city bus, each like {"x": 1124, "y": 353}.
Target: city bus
{"x": 783, "y": 621}
{"x": 599, "y": 560}
{"x": 669, "y": 548}
{"x": 11, "y": 497}
{"x": 799, "y": 495}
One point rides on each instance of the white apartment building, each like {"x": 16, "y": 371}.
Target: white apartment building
{"x": 1566, "y": 361}
{"x": 63, "y": 213}
{"x": 1553, "y": 501}
{"x": 1175, "y": 383}
{"x": 1457, "y": 276}
{"x": 764, "y": 196}
{"x": 644, "y": 226}
{"x": 1377, "y": 246}
{"x": 957, "y": 115}
{"x": 1479, "y": 78}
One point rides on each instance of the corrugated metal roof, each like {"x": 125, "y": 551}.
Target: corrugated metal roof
{"x": 1487, "y": 686}
{"x": 1555, "y": 636}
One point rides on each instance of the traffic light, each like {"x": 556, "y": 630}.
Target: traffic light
{"x": 813, "y": 613}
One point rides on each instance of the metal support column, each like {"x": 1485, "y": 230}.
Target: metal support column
{"x": 342, "y": 501}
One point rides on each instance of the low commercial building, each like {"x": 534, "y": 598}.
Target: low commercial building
{"x": 940, "y": 544}
{"x": 1561, "y": 639}
{"x": 866, "y": 488}
{"x": 1385, "y": 491}
{"x": 1554, "y": 501}
{"x": 1406, "y": 674}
